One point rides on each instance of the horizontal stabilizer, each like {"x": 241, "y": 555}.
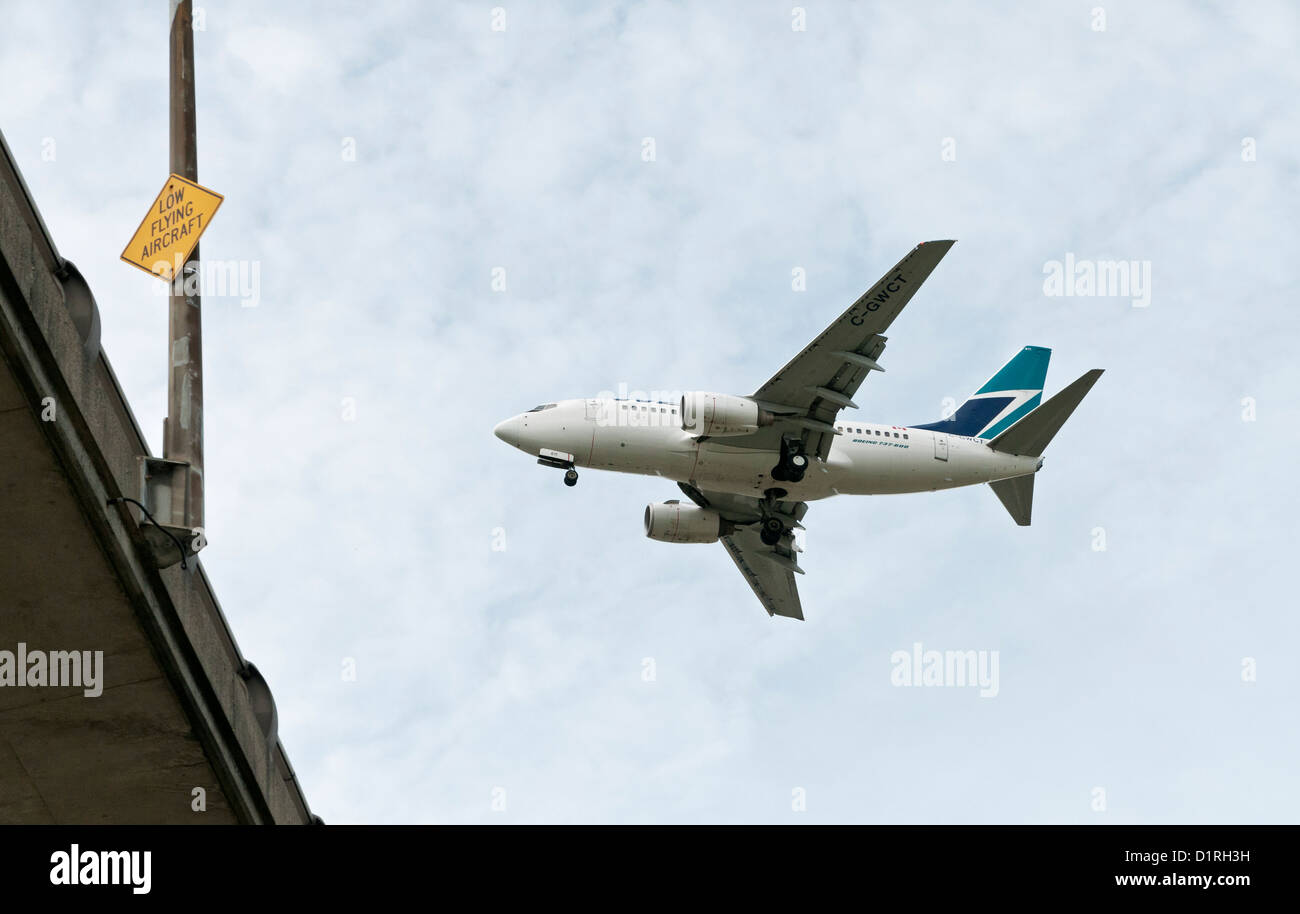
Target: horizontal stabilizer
{"x": 1031, "y": 435}
{"x": 1017, "y": 496}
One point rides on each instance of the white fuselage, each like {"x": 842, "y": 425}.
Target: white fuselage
{"x": 631, "y": 436}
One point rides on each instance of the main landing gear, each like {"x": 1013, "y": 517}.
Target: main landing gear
{"x": 794, "y": 462}
{"x": 570, "y": 477}
{"x": 792, "y": 466}
{"x": 772, "y": 527}
{"x": 771, "y": 531}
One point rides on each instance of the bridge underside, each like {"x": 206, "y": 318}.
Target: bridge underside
{"x": 180, "y": 709}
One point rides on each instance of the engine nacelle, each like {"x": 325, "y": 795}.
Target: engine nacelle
{"x": 674, "y": 522}
{"x": 719, "y": 415}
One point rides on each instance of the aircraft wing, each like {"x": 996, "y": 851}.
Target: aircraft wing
{"x": 771, "y": 582}
{"x": 769, "y": 570}
{"x": 810, "y": 391}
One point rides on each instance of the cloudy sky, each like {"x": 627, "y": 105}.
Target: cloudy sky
{"x": 380, "y": 162}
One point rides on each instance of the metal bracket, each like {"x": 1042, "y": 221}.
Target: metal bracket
{"x": 164, "y": 491}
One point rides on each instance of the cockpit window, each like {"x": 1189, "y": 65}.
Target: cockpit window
{"x": 538, "y": 409}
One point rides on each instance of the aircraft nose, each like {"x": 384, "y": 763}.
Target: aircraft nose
{"x": 508, "y": 431}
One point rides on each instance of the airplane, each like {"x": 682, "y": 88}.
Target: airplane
{"x": 750, "y": 465}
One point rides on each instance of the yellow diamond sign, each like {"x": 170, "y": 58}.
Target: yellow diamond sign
{"x": 172, "y": 227}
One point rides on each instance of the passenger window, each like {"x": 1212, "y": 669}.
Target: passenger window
{"x": 877, "y": 431}
{"x": 905, "y": 436}
{"x": 895, "y": 434}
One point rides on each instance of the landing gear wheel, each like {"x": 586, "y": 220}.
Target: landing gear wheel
{"x": 570, "y": 477}
{"x": 772, "y": 531}
{"x": 793, "y": 463}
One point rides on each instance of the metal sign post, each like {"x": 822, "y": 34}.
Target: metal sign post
{"x": 180, "y": 473}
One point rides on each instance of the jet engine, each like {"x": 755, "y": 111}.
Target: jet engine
{"x": 674, "y": 522}
{"x": 716, "y": 415}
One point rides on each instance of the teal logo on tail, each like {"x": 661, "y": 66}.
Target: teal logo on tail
{"x": 1005, "y": 398}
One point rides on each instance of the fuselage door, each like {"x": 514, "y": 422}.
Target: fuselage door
{"x": 940, "y": 447}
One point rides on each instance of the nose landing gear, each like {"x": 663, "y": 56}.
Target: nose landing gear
{"x": 560, "y": 461}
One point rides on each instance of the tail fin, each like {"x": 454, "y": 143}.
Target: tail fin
{"x": 1031, "y": 435}
{"x": 1017, "y": 496}
{"x": 1005, "y": 398}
